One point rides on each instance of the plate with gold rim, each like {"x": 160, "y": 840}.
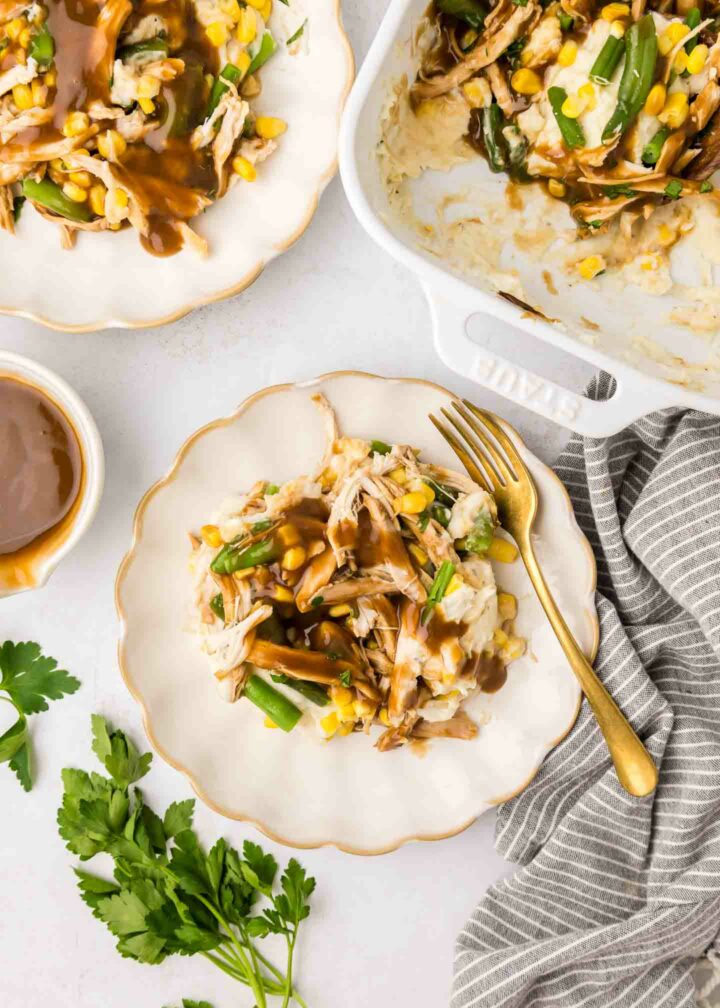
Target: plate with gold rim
{"x": 109, "y": 280}
{"x": 297, "y": 788}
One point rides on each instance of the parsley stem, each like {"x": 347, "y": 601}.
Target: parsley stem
{"x": 289, "y": 971}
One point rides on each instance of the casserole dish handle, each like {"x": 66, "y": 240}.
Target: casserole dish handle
{"x": 634, "y": 397}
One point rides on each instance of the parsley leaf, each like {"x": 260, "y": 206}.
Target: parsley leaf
{"x": 346, "y": 677}
{"x": 29, "y": 680}
{"x": 169, "y": 896}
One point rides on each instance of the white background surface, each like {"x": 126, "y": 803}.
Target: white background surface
{"x": 382, "y": 929}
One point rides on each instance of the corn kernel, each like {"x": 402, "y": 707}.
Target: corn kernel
{"x": 557, "y": 188}
{"x": 329, "y": 723}
{"x": 676, "y": 31}
{"x": 246, "y": 27}
{"x": 244, "y": 575}
{"x": 242, "y": 167}
{"x": 288, "y": 535}
{"x": 257, "y": 4}
{"x": 75, "y": 192}
{"x": 477, "y": 92}
{"x": 346, "y": 729}
{"x": 210, "y": 535}
{"x": 568, "y": 53}
{"x": 268, "y": 127}
{"x": 25, "y": 38}
{"x": 514, "y": 648}
{"x": 617, "y": 28}
{"x": 410, "y": 503}
{"x": 501, "y": 549}
{"x": 384, "y": 717}
{"x": 468, "y": 38}
{"x": 293, "y": 558}
{"x": 697, "y": 59}
{"x": 22, "y": 96}
{"x": 13, "y": 28}
{"x": 448, "y": 678}
{"x": 418, "y": 554}
{"x": 364, "y": 707}
{"x": 455, "y": 582}
{"x": 82, "y": 178}
{"x": 339, "y": 610}
{"x": 232, "y": 9}
{"x": 588, "y": 94}
{"x": 420, "y": 486}
{"x": 346, "y": 714}
{"x": 572, "y": 107}
{"x": 655, "y": 101}
{"x": 399, "y": 475}
{"x": 120, "y": 198}
{"x": 425, "y": 109}
{"x": 500, "y": 637}
{"x": 680, "y": 62}
{"x": 243, "y": 62}
{"x": 341, "y": 696}
{"x": 39, "y": 93}
{"x": 649, "y": 262}
{"x": 526, "y": 82}
{"x": 217, "y": 33}
{"x": 147, "y": 105}
{"x": 51, "y": 77}
{"x": 111, "y": 145}
{"x": 97, "y": 199}
{"x": 269, "y": 723}
{"x": 665, "y": 235}
{"x": 266, "y": 11}
{"x": 76, "y": 123}
{"x": 282, "y": 594}
{"x": 148, "y": 86}
{"x": 612, "y": 11}
{"x": 676, "y": 110}
{"x": 507, "y": 605}
{"x": 587, "y": 268}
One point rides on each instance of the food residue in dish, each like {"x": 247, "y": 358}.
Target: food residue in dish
{"x": 360, "y": 597}
{"x": 116, "y": 114}
{"x": 41, "y": 472}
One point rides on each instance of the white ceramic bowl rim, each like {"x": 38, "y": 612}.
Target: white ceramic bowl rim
{"x": 90, "y": 443}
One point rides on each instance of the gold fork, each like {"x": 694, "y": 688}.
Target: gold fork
{"x": 492, "y": 460}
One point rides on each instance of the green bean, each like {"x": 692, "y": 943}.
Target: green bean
{"x": 380, "y": 448}
{"x": 492, "y": 124}
{"x": 637, "y": 76}
{"x": 231, "y": 558}
{"x": 438, "y": 589}
{"x": 48, "y": 194}
{"x": 572, "y": 131}
{"x": 469, "y": 11}
{"x": 229, "y": 74}
{"x": 693, "y": 19}
{"x": 153, "y": 45}
{"x": 278, "y": 708}
{"x": 480, "y": 535}
{"x": 189, "y": 100}
{"x": 607, "y": 60}
{"x": 652, "y": 150}
{"x": 267, "y": 48}
{"x": 310, "y": 690}
{"x": 42, "y": 47}
{"x": 218, "y": 606}
{"x": 566, "y": 22}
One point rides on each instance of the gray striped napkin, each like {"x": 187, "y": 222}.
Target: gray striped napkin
{"x": 618, "y": 897}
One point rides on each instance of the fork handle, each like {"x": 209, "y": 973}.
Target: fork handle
{"x": 635, "y": 768}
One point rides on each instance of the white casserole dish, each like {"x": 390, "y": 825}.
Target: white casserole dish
{"x": 679, "y": 368}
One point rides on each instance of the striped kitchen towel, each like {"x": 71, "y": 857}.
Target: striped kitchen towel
{"x": 617, "y": 897}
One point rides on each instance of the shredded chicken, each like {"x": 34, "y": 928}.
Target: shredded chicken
{"x": 339, "y": 581}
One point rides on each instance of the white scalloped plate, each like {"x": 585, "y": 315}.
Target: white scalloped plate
{"x": 109, "y": 280}
{"x": 297, "y": 788}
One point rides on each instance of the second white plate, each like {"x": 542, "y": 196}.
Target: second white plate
{"x": 297, "y": 788}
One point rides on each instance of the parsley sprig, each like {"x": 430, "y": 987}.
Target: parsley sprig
{"x": 168, "y": 896}
{"x": 28, "y": 680}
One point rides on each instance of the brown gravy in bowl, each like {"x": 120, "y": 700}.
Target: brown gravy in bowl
{"x": 41, "y": 477}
